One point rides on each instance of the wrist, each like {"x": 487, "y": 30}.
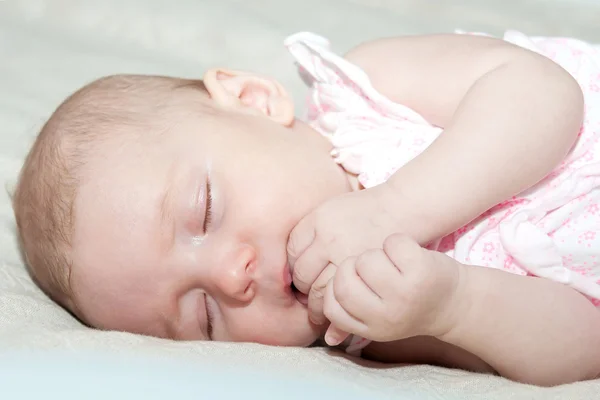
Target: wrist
{"x": 404, "y": 213}
{"x": 454, "y": 314}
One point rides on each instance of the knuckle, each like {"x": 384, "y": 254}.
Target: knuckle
{"x": 292, "y": 245}
{"x": 342, "y": 290}
{"x": 362, "y": 261}
{"x": 327, "y": 237}
{"x": 345, "y": 268}
{"x": 301, "y": 278}
{"x": 318, "y": 287}
{"x": 403, "y": 252}
{"x": 348, "y": 262}
{"x": 368, "y": 257}
{"x": 301, "y": 237}
{"x": 396, "y": 241}
{"x": 362, "y": 268}
{"x": 317, "y": 292}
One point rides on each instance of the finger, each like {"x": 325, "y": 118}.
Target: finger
{"x": 403, "y": 252}
{"x": 378, "y": 273}
{"x": 335, "y": 336}
{"x": 309, "y": 266}
{"x": 338, "y": 316}
{"x": 316, "y": 295}
{"x": 352, "y": 294}
{"x": 300, "y": 239}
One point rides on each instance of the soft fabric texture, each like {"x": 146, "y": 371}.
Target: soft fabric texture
{"x": 549, "y": 230}
{"x": 49, "y": 48}
{"x": 58, "y": 376}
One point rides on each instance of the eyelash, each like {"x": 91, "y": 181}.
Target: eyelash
{"x": 208, "y": 216}
{"x": 209, "y": 319}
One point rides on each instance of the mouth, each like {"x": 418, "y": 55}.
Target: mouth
{"x": 291, "y": 288}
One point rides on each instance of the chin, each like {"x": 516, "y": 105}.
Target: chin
{"x": 308, "y": 337}
{"x": 303, "y": 340}
{"x": 304, "y": 337}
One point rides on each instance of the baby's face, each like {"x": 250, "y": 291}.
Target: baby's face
{"x": 169, "y": 231}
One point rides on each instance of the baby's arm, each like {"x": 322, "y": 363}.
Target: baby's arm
{"x": 510, "y": 116}
{"x": 528, "y": 329}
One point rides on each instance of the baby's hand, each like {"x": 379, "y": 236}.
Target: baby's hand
{"x": 394, "y": 293}
{"x": 342, "y": 227}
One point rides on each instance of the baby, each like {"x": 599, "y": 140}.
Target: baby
{"x": 440, "y": 203}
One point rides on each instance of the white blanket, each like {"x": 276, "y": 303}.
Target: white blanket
{"x": 48, "y": 48}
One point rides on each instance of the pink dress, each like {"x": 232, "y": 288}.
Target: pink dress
{"x": 551, "y": 230}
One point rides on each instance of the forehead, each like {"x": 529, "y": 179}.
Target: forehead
{"x": 116, "y": 242}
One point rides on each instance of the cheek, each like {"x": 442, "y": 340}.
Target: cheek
{"x": 268, "y": 204}
{"x": 273, "y": 200}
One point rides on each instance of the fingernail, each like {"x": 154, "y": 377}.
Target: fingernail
{"x": 332, "y": 339}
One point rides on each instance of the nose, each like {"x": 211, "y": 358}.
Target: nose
{"x": 235, "y": 277}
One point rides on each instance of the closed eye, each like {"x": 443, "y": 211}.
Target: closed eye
{"x": 208, "y": 208}
{"x": 209, "y": 319}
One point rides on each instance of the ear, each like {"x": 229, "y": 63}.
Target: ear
{"x": 251, "y": 94}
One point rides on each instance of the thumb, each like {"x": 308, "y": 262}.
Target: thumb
{"x": 301, "y": 237}
{"x": 335, "y": 336}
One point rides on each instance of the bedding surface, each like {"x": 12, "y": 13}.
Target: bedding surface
{"x": 48, "y": 48}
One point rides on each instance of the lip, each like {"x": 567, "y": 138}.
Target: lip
{"x": 287, "y": 281}
{"x": 287, "y": 288}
